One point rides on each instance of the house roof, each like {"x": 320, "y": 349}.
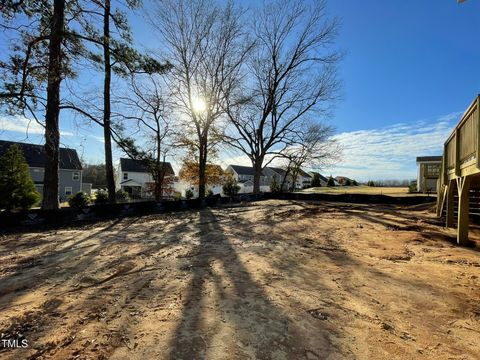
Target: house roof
{"x": 322, "y": 178}
{"x": 246, "y": 182}
{"x": 35, "y": 155}
{"x": 244, "y": 170}
{"x": 130, "y": 182}
{"x": 342, "y": 178}
{"x": 279, "y": 171}
{"x": 139, "y": 166}
{"x": 429, "y": 158}
{"x": 304, "y": 174}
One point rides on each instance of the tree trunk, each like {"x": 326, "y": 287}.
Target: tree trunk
{"x": 202, "y": 165}
{"x": 52, "y": 133}
{"x": 284, "y": 180}
{"x": 294, "y": 179}
{"x": 159, "y": 168}
{"x": 257, "y": 165}
{"x": 159, "y": 183}
{"x": 107, "y": 132}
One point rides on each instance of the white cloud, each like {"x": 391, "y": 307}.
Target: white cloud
{"x": 21, "y": 124}
{"x": 99, "y": 139}
{"x": 390, "y": 152}
{"x": 385, "y": 153}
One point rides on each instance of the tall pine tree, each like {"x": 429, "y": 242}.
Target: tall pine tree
{"x": 105, "y": 28}
{"x": 31, "y": 75}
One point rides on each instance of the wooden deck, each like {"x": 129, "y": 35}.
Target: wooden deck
{"x": 460, "y": 171}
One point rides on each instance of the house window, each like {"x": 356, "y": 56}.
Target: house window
{"x": 68, "y": 190}
{"x": 76, "y": 175}
{"x": 125, "y": 176}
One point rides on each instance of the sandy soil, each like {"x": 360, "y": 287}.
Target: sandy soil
{"x": 268, "y": 280}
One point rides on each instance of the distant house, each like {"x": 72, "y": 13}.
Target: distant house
{"x": 428, "y": 173}
{"x": 136, "y": 179}
{"x": 279, "y": 174}
{"x": 323, "y": 179}
{"x": 304, "y": 179}
{"x": 70, "y": 168}
{"x": 342, "y": 180}
{"x": 244, "y": 176}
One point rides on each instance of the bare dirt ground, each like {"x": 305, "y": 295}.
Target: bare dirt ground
{"x": 266, "y": 280}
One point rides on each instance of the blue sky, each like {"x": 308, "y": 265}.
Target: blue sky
{"x": 411, "y": 68}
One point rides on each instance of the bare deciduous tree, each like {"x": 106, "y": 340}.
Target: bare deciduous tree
{"x": 206, "y": 45}
{"x": 147, "y": 105}
{"x": 313, "y": 147}
{"x": 292, "y": 74}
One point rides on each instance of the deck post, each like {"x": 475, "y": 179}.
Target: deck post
{"x": 457, "y": 153}
{"x": 463, "y": 186}
{"x": 450, "y": 211}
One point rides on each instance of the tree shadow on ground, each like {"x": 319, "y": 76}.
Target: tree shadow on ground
{"x": 223, "y": 299}
{"x": 105, "y": 285}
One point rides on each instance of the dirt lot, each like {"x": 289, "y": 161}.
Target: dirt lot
{"x": 266, "y": 280}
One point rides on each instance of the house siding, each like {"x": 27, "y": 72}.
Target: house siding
{"x": 265, "y": 180}
{"x": 143, "y": 179}
{"x": 65, "y": 179}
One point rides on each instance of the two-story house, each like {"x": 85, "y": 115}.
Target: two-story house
{"x": 137, "y": 180}
{"x": 323, "y": 179}
{"x": 304, "y": 180}
{"x": 281, "y": 176}
{"x": 428, "y": 173}
{"x": 70, "y": 168}
{"x": 244, "y": 176}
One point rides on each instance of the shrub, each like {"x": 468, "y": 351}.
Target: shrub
{"x": 177, "y": 195}
{"x": 122, "y": 195}
{"x": 16, "y": 185}
{"x": 316, "y": 181}
{"x": 29, "y": 199}
{"x": 412, "y": 188}
{"x": 330, "y": 182}
{"x": 79, "y": 200}
{"x": 371, "y": 183}
{"x": 209, "y": 193}
{"x": 348, "y": 182}
{"x": 189, "y": 194}
{"x": 274, "y": 185}
{"x": 230, "y": 185}
{"x": 354, "y": 183}
{"x": 101, "y": 197}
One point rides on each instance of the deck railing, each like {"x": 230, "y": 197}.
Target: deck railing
{"x": 461, "y": 154}
{"x": 462, "y": 146}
